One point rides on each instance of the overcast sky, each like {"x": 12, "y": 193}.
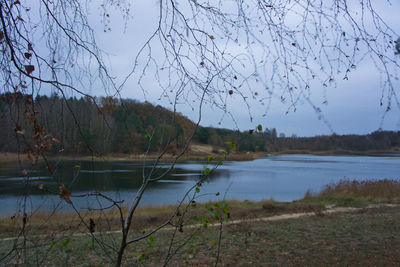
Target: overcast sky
{"x": 353, "y": 106}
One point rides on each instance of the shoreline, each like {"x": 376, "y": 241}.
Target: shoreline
{"x": 338, "y": 153}
{"x": 12, "y": 157}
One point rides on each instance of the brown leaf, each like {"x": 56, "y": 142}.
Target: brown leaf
{"x": 65, "y": 194}
{"x": 30, "y": 117}
{"x": 28, "y": 99}
{"x": 49, "y": 145}
{"x": 51, "y": 170}
{"x": 18, "y": 130}
{"x": 212, "y": 37}
{"x": 28, "y": 55}
{"x": 39, "y": 129}
{"x": 1, "y": 35}
{"x": 29, "y": 69}
{"x": 30, "y": 47}
{"x": 230, "y": 92}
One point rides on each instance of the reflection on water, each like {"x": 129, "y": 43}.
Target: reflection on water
{"x": 282, "y": 177}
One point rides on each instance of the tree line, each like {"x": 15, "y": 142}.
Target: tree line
{"x": 109, "y": 125}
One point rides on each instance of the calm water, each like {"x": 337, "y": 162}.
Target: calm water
{"x": 283, "y": 177}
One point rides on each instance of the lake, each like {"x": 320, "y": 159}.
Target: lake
{"x": 281, "y": 177}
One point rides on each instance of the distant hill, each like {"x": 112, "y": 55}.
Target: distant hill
{"x": 108, "y": 125}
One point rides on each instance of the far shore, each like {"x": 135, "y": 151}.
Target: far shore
{"x": 11, "y": 157}
{"x": 340, "y": 152}
{"x": 7, "y": 157}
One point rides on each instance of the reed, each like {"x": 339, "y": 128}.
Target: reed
{"x": 386, "y": 190}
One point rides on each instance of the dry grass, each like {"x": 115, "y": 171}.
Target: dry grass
{"x": 12, "y": 157}
{"x": 359, "y": 191}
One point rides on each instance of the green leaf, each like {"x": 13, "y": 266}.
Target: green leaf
{"x": 196, "y": 218}
{"x": 232, "y": 145}
{"x": 65, "y": 242}
{"x": 210, "y": 158}
{"x": 259, "y": 127}
{"x": 141, "y": 258}
{"x": 197, "y": 190}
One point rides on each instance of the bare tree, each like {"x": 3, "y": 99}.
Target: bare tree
{"x": 200, "y": 52}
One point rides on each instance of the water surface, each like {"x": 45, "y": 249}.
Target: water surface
{"x": 282, "y": 177}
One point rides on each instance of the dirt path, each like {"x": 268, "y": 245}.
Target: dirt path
{"x": 329, "y": 210}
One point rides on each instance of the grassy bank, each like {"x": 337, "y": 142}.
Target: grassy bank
{"x": 351, "y": 192}
{"x": 367, "y": 237}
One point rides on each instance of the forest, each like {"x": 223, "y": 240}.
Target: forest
{"x": 106, "y": 125}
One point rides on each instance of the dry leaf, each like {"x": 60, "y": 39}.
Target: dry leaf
{"x": 65, "y": 194}
{"x": 29, "y": 69}
{"x": 50, "y": 169}
{"x": 19, "y": 130}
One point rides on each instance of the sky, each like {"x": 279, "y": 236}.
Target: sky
{"x": 349, "y": 107}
